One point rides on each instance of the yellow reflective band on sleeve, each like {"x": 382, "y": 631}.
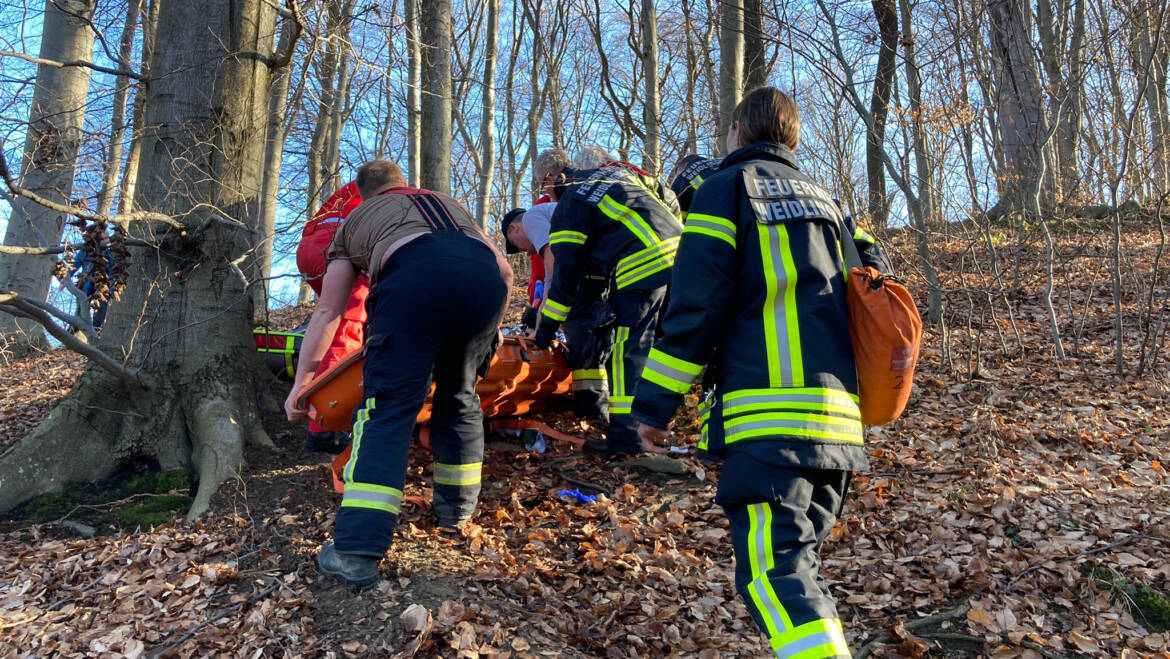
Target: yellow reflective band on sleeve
{"x": 620, "y": 404}
{"x": 712, "y": 226}
{"x": 670, "y": 373}
{"x": 466, "y": 474}
{"x": 571, "y": 237}
{"x": 781, "y": 324}
{"x": 359, "y": 427}
{"x": 761, "y": 595}
{"x": 794, "y": 425}
{"x": 819, "y": 639}
{"x": 814, "y": 399}
{"x": 372, "y": 496}
{"x": 630, "y": 219}
{"x": 862, "y": 236}
{"x": 555, "y": 310}
{"x": 696, "y": 182}
{"x": 589, "y": 374}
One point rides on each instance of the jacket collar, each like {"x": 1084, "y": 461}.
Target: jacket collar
{"x": 766, "y": 150}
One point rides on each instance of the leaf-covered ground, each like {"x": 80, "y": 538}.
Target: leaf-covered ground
{"x": 1019, "y": 509}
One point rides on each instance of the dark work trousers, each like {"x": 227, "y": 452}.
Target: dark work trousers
{"x": 637, "y": 321}
{"x": 589, "y": 331}
{"x": 436, "y": 309}
{"x": 780, "y": 517}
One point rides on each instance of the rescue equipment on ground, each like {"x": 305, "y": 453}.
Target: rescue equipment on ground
{"x": 522, "y": 379}
{"x": 886, "y": 332}
{"x": 280, "y": 349}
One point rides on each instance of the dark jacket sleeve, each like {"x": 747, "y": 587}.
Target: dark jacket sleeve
{"x": 571, "y": 225}
{"x": 867, "y": 248}
{"x": 702, "y": 290}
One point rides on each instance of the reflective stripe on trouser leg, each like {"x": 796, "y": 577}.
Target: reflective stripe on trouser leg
{"x": 374, "y": 478}
{"x": 637, "y": 319}
{"x": 777, "y": 562}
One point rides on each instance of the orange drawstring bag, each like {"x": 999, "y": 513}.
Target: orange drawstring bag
{"x": 886, "y": 330}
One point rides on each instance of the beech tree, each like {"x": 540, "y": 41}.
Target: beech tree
{"x": 175, "y": 375}
{"x": 50, "y": 155}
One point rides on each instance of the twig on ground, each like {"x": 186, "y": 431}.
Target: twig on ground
{"x": 884, "y": 637}
{"x": 1130, "y": 539}
{"x": 191, "y": 632}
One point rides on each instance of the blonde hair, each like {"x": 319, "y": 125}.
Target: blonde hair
{"x": 767, "y": 115}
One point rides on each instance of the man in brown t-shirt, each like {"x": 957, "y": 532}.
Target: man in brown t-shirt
{"x": 439, "y": 288}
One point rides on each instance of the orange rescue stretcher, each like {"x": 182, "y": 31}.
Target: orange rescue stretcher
{"x": 521, "y": 380}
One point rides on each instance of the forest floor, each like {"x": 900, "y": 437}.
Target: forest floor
{"x": 1020, "y": 508}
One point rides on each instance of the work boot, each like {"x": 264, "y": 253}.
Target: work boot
{"x": 327, "y": 442}
{"x": 356, "y": 570}
{"x": 598, "y": 447}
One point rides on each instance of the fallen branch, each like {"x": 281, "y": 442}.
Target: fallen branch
{"x": 968, "y": 638}
{"x": 884, "y": 637}
{"x": 1130, "y": 539}
{"x": 191, "y": 632}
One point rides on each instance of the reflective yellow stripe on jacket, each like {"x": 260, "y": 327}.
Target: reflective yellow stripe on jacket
{"x": 781, "y": 323}
{"x": 646, "y": 262}
{"x": 630, "y": 219}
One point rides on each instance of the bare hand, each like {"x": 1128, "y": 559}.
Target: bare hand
{"x": 291, "y": 410}
{"x": 654, "y": 440}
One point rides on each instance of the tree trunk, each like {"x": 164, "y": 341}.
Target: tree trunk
{"x": 1061, "y": 53}
{"x": 50, "y": 156}
{"x": 1019, "y": 101}
{"x": 118, "y": 112}
{"x": 886, "y": 16}
{"x": 183, "y": 323}
{"x": 691, "y": 143}
{"x": 730, "y": 67}
{"x": 755, "y": 61}
{"x": 515, "y": 171}
{"x": 487, "y": 130}
{"x": 436, "y": 102}
{"x": 413, "y": 91}
{"x": 273, "y": 156}
{"x": 651, "y": 150}
{"x": 128, "y": 187}
{"x": 922, "y": 157}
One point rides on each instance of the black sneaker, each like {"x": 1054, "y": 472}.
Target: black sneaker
{"x": 356, "y": 570}
{"x": 327, "y": 442}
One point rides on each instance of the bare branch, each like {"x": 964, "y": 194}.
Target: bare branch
{"x": 43, "y": 313}
{"x": 283, "y": 56}
{"x": 60, "y": 249}
{"x": 121, "y": 219}
{"x": 76, "y": 62}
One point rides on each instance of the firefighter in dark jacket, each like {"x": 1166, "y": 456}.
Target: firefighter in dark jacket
{"x": 758, "y": 299}
{"x": 438, "y": 289}
{"x": 619, "y": 221}
{"x": 689, "y": 174}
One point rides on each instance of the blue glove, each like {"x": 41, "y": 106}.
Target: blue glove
{"x": 537, "y": 293}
